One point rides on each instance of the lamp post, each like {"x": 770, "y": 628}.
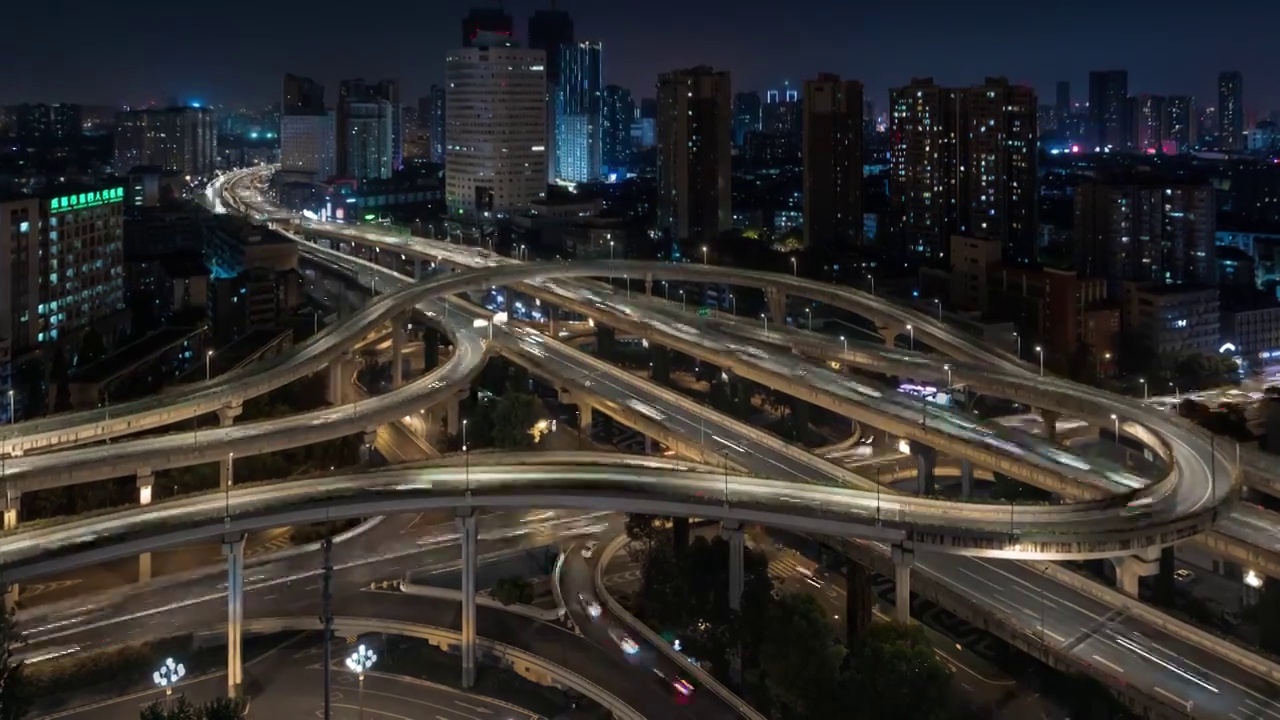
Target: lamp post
{"x": 1019, "y": 339}
{"x": 704, "y": 254}
{"x": 911, "y": 334}
{"x": 208, "y": 359}
{"x": 733, "y": 303}
{"x": 1105, "y": 356}
{"x": 947, "y": 367}
{"x": 466, "y": 456}
{"x": 360, "y": 660}
{"x": 765, "y": 318}
{"x": 168, "y": 675}
{"x": 1040, "y": 352}
{"x": 938, "y": 302}
{"x": 845, "y": 342}
{"x": 795, "y": 272}
{"x": 1144, "y": 388}
{"x": 683, "y": 305}
{"x": 872, "y": 278}
{"x": 1116, "y": 420}
{"x": 809, "y": 312}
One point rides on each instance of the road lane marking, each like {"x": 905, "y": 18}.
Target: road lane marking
{"x": 1170, "y": 695}
{"x": 1109, "y": 664}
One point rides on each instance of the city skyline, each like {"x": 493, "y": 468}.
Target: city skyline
{"x": 951, "y": 44}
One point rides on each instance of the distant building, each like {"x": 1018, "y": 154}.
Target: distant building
{"x": 694, "y": 145}
{"x": 579, "y": 113}
{"x": 183, "y": 139}
{"x": 1110, "y": 126}
{"x": 746, "y": 116}
{"x": 40, "y": 123}
{"x": 833, "y": 162}
{"x": 481, "y": 21}
{"x": 1231, "y": 110}
{"x": 307, "y": 145}
{"x": 1150, "y": 123}
{"x": 431, "y": 113}
{"x": 496, "y": 160}
{"x": 301, "y": 96}
{"x": 617, "y": 116}
{"x": 1173, "y": 320}
{"x": 922, "y": 156}
{"x": 1180, "y": 122}
{"x": 368, "y": 129}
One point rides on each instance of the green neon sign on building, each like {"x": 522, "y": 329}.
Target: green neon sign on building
{"x": 86, "y": 200}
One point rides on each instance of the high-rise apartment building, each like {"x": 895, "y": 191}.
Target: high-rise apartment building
{"x": 431, "y": 116}
{"x": 832, "y": 162}
{"x": 1231, "y": 110}
{"x": 369, "y": 132}
{"x": 922, "y": 182}
{"x": 1109, "y": 123}
{"x": 62, "y": 267}
{"x": 551, "y": 31}
{"x": 579, "y": 120}
{"x": 301, "y": 96}
{"x": 695, "y": 119}
{"x": 181, "y": 139}
{"x": 746, "y": 116}
{"x": 496, "y": 161}
{"x": 41, "y": 123}
{"x": 781, "y": 113}
{"x": 1150, "y": 123}
{"x": 486, "y": 21}
{"x": 996, "y": 166}
{"x": 1145, "y": 231}
{"x": 1062, "y": 106}
{"x": 1180, "y": 122}
{"x": 617, "y": 116}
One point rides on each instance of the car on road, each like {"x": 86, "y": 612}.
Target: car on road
{"x": 679, "y": 684}
{"x": 624, "y": 641}
{"x": 590, "y": 548}
{"x": 1184, "y": 576}
{"x": 589, "y": 606}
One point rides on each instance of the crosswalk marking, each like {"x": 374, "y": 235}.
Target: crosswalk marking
{"x": 39, "y": 588}
{"x": 283, "y": 542}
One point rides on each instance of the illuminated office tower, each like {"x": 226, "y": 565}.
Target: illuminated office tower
{"x": 832, "y": 162}
{"x": 496, "y": 132}
{"x": 617, "y": 117}
{"x": 695, "y": 114}
{"x": 579, "y": 113}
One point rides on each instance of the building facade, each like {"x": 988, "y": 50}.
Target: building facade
{"x": 181, "y": 139}
{"x": 833, "y": 162}
{"x": 617, "y": 117}
{"x": 579, "y": 113}
{"x": 694, "y": 146}
{"x": 1109, "y": 123}
{"x": 1231, "y": 110}
{"x": 922, "y": 152}
{"x": 496, "y": 136}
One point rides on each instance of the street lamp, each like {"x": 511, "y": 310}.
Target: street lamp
{"x": 947, "y": 367}
{"x": 704, "y": 254}
{"x": 1105, "y": 356}
{"x": 359, "y": 661}
{"x": 1144, "y": 388}
{"x": 845, "y": 343}
{"x": 872, "y": 278}
{"x": 1116, "y": 420}
{"x": 809, "y": 312}
{"x": 911, "y": 333}
{"x": 683, "y": 306}
{"x": 733, "y": 303}
{"x": 1040, "y": 352}
{"x": 208, "y": 358}
{"x": 765, "y": 318}
{"x": 1019, "y": 339}
{"x": 168, "y": 675}
{"x": 466, "y": 456}
{"x": 938, "y": 302}
{"x": 794, "y": 271}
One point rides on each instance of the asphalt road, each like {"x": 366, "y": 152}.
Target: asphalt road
{"x": 289, "y": 682}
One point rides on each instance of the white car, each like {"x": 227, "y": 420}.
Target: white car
{"x": 589, "y": 606}
{"x": 624, "y": 641}
{"x": 590, "y": 549}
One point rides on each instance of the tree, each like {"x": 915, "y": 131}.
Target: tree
{"x": 513, "y": 591}
{"x": 894, "y": 672}
{"x": 180, "y": 708}
{"x": 800, "y": 663}
{"x": 223, "y": 708}
{"x": 15, "y": 699}
{"x": 644, "y": 533}
{"x": 514, "y": 415}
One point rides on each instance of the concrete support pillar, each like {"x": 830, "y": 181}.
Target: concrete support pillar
{"x": 584, "y": 418}
{"x": 737, "y": 550}
{"x": 453, "y": 421}
{"x": 226, "y": 466}
{"x": 926, "y": 465}
{"x": 903, "y": 559}
{"x": 648, "y": 445}
{"x": 1129, "y": 570}
{"x": 648, "y": 284}
{"x": 858, "y": 601}
{"x": 1050, "y": 419}
{"x": 417, "y": 268}
{"x": 604, "y": 342}
{"x": 660, "y": 363}
{"x": 799, "y": 417}
{"x": 890, "y": 335}
{"x": 337, "y": 376}
{"x": 1164, "y": 577}
{"x": 146, "y": 484}
{"x": 966, "y": 479}
{"x": 397, "y": 350}
{"x": 467, "y": 528}
{"x": 233, "y": 548}
{"x": 777, "y": 300}
{"x": 12, "y": 504}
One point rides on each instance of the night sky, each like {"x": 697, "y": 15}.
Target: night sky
{"x": 233, "y": 52}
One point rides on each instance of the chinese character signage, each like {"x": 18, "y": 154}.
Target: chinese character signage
{"x": 86, "y": 200}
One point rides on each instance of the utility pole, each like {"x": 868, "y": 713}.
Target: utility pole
{"x": 326, "y": 617}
